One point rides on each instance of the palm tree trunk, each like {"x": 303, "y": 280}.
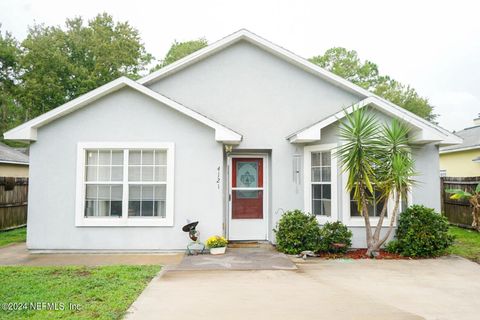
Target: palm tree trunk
{"x": 392, "y": 221}
{"x": 378, "y": 229}
{"x": 366, "y": 217}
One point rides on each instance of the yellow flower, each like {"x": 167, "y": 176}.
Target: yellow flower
{"x": 216, "y": 242}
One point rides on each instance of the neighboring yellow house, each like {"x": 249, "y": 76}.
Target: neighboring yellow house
{"x": 463, "y": 160}
{"x": 13, "y": 163}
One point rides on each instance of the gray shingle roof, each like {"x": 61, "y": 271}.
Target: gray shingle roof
{"x": 470, "y": 136}
{"x": 10, "y": 155}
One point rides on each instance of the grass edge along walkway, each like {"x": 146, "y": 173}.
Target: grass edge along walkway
{"x": 104, "y": 292}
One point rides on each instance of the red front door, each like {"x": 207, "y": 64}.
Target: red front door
{"x": 247, "y": 188}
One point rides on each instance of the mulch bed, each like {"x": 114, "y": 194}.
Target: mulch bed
{"x": 361, "y": 254}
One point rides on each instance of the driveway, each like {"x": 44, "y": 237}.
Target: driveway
{"x": 444, "y": 288}
{"x": 17, "y": 254}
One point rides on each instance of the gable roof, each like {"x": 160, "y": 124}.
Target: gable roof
{"x": 245, "y": 35}
{"x": 10, "y": 155}
{"x": 423, "y": 131}
{"x": 28, "y": 130}
{"x": 442, "y": 135}
{"x": 427, "y": 131}
{"x": 471, "y": 140}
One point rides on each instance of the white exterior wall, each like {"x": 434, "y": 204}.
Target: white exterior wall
{"x": 426, "y": 190}
{"x": 253, "y": 92}
{"x": 124, "y": 116}
{"x": 263, "y": 98}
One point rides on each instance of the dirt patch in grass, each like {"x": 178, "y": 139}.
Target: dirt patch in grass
{"x": 83, "y": 273}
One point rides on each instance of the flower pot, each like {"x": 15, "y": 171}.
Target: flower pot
{"x": 220, "y": 250}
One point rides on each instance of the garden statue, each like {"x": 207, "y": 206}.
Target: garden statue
{"x": 195, "y": 246}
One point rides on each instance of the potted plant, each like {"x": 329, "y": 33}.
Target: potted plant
{"x": 217, "y": 244}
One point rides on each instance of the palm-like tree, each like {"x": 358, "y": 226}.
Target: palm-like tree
{"x": 375, "y": 156}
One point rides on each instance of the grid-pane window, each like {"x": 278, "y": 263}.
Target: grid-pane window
{"x": 147, "y": 201}
{"x": 137, "y": 176}
{"x": 104, "y": 183}
{"x": 147, "y": 178}
{"x": 103, "y": 200}
{"x": 374, "y": 207}
{"x": 147, "y": 166}
{"x": 321, "y": 181}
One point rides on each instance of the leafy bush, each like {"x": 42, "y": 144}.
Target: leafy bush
{"x": 335, "y": 232}
{"x": 421, "y": 232}
{"x": 296, "y": 232}
{"x": 216, "y": 242}
{"x": 392, "y": 246}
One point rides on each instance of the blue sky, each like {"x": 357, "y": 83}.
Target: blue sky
{"x": 432, "y": 45}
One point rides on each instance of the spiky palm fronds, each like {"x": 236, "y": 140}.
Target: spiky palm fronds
{"x": 358, "y": 153}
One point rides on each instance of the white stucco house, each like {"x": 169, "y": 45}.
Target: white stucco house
{"x": 232, "y": 135}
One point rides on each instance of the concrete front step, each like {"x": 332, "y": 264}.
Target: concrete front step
{"x": 250, "y": 244}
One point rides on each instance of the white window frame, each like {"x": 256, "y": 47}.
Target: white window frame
{"x": 307, "y": 180}
{"x": 359, "y": 221}
{"x": 124, "y": 220}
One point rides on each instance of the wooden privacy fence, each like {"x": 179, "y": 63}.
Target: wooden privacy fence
{"x": 458, "y": 212}
{"x": 13, "y": 202}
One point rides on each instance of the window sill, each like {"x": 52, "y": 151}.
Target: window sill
{"x": 118, "y": 222}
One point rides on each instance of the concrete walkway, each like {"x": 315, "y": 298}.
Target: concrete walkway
{"x": 254, "y": 258}
{"x": 445, "y": 288}
{"x": 17, "y": 254}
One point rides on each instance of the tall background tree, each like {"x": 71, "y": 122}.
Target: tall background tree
{"x": 53, "y": 65}
{"x": 178, "y": 50}
{"x": 346, "y": 64}
{"x": 61, "y": 64}
{"x": 9, "y": 74}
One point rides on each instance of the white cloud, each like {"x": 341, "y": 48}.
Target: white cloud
{"x": 458, "y": 109}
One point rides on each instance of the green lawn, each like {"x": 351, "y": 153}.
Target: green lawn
{"x": 100, "y": 292}
{"x": 467, "y": 243}
{"x": 13, "y": 236}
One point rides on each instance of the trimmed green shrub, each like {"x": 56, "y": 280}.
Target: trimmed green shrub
{"x": 392, "y": 246}
{"x": 421, "y": 232}
{"x": 335, "y": 232}
{"x": 297, "y": 231}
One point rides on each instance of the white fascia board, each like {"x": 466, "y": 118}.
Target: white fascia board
{"x": 429, "y": 132}
{"x": 191, "y": 58}
{"x": 460, "y": 149}
{"x": 222, "y": 133}
{"x": 447, "y": 138}
{"x": 306, "y": 136}
{"x": 450, "y": 137}
{"x": 14, "y": 162}
{"x": 260, "y": 42}
{"x": 28, "y": 130}
{"x": 313, "y": 132}
{"x": 422, "y": 132}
